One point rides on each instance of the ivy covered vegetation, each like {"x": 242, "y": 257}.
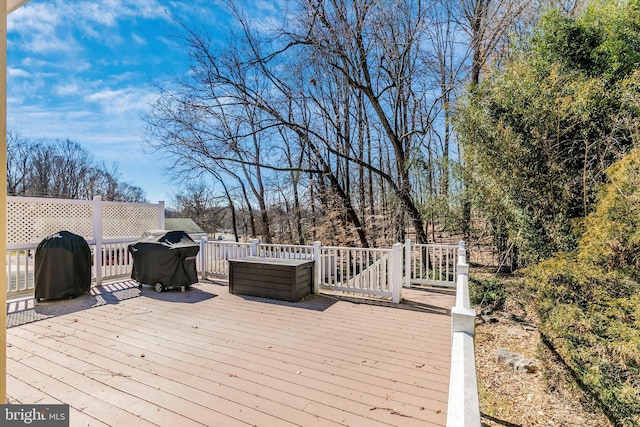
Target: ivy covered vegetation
{"x": 588, "y": 300}
{"x": 539, "y": 133}
{"x": 552, "y": 145}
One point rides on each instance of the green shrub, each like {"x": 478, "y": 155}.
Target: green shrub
{"x": 489, "y": 294}
{"x": 588, "y": 301}
{"x": 611, "y": 235}
{"x": 591, "y": 317}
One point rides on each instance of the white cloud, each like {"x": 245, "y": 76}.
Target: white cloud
{"x": 169, "y": 42}
{"x": 123, "y": 101}
{"x": 103, "y": 13}
{"x": 140, "y": 41}
{"x": 37, "y": 27}
{"x": 17, "y": 72}
{"x": 67, "y": 89}
{"x": 43, "y": 26}
{"x": 123, "y": 77}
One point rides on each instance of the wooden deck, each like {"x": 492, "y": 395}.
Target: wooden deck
{"x": 207, "y": 357}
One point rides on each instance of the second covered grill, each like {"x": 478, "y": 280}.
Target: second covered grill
{"x": 164, "y": 259}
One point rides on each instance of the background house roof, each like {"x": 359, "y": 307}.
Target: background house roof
{"x": 183, "y": 224}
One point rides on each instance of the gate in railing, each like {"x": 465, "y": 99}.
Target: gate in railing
{"x": 363, "y": 272}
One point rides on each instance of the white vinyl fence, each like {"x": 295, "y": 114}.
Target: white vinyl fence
{"x": 366, "y": 272}
{"x": 357, "y": 271}
{"x": 108, "y": 227}
{"x": 431, "y": 265}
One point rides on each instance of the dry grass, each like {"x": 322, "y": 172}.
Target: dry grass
{"x": 548, "y": 397}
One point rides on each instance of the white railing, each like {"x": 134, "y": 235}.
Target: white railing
{"x": 108, "y": 228}
{"x": 265, "y": 250}
{"x": 113, "y": 261}
{"x": 432, "y": 265}
{"x": 359, "y": 271}
{"x": 355, "y": 271}
{"x": 463, "y": 407}
{"x": 20, "y": 269}
{"x": 214, "y": 255}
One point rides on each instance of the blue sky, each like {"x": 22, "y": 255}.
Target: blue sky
{"x": 83, "y": 70}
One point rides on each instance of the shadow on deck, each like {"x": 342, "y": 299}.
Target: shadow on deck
{"x": 119, "y": 356}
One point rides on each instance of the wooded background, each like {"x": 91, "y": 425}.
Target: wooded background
{"x": 365, "y": 122}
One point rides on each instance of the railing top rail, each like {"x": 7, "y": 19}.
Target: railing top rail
{"x": 227, "y": 243}
{"x": 347, "y": 248}
{"x": 284, "y": 245}
{"x": 436, "y": 245}
{"x": 21, "y": 246}
{"x": 120, "y": 240}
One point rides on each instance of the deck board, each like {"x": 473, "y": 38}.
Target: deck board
{"x": 207, "y": 357}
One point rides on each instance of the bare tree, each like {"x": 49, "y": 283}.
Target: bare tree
{"x": 355, "y": 95}
{"x": 62, "y": 168}
{"x": 18, "y": 164}
{"x": 198, "y": 202}
{"x": 374, "y": 46}
{"x": 222, "y": 120}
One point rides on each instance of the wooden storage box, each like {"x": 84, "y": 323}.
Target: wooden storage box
{"x": 282, "y": 279}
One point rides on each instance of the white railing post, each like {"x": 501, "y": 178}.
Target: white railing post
{"x": 97, "y": 236}
{"x": 254, "y": 247}
{"x": 462, "y": 279}
{"x": 396, "y": 272}
{"x": 462, "y": 315}
{"x": 203, "y": 258}
{"x": 317, "y": 266}
{"x": 462, "y": 253}
{"x": 463, "y": 408}
{"x": 161, "y": 215}
{"x": 407, "y": 263}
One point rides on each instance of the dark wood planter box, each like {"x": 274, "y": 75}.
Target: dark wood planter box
{"x": 282, "y": 279}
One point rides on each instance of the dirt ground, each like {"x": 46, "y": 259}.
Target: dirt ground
{"x": 546, "y": 397}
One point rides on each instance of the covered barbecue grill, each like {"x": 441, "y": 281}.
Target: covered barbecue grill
{"x": 62, "y": 267}
{"x": 164, "y": 259}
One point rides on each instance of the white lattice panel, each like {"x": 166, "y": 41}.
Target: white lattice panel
{"x": 32, "y": 221}
{"x": 128, "y": 220}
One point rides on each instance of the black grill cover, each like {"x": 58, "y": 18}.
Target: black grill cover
{"x": 62, "y": 267}
{"x": 168, "y": 257}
